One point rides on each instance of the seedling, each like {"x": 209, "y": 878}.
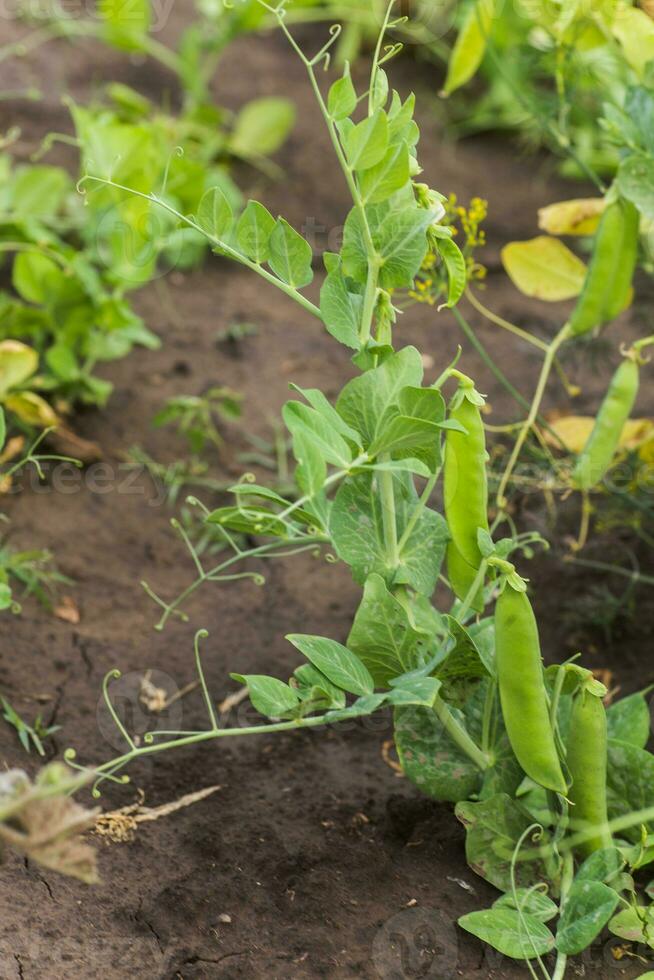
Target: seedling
{"x": 195, "y": 416}
{"x": 28, "y": 735}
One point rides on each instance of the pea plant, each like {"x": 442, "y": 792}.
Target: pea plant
{"x": 553, "y": 789}
{"x": 567, "y": 61}
{"x": 24, "y": 572}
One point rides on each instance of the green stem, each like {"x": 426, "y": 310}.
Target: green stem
{"x": 477, "y": 584}
{"x": 419, "y": 508}
{"x": 546, "y": 369}
{"x": 223, "y": 247}
{"x": 389, "y": 518}
{"x": 489, "y": 705}
{"x": 459, "y": 735}
{"x": 566, "y": 883}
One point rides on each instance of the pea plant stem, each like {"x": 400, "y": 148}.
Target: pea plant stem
{"x": 546, "y": 370}
{"x": 459, "y": 735}
{"x": 566, "y": 883}
{"x": 504, "y": 324}
{"x": 389, "y": 516}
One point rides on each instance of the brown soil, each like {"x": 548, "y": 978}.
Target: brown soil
{"x": 326, "y": 862}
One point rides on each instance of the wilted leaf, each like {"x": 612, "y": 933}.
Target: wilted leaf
{"x": 577, "y": 217}
{"x": 574, "y": 430}
{"x": 45, "y": 824}
{"x": 18, "y": 362}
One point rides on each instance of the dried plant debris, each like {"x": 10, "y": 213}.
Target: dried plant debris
{"x": 41, "y": 821}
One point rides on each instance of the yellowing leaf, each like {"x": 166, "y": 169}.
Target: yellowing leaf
{"x": 31, "y": 408}
{"x": 544, "y": 268}
{"x": 18, "y": 362}
{"x": 574, "y": 430}
{"x": 634, "y": 29}
{"x": 577, "y": 217}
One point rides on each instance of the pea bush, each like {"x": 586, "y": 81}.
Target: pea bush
{"x": 554, "y": 790}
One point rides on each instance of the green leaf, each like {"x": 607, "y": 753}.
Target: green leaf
{"x": 254, "y": 230}
{"x": 261, "y": 127}
{"x": 382, "y": 636}
{"x": 494, "y": 827}
{"x": 533, "y": 901}
{"x": 630, "y": 782}
{"x": 3, "y": 429}
{"x": 419, "y": 691}
{"x": 311, "y": 471}
{"x": 357, "y": 530}
{"x": 290, "y": 255}
{"x": 519, "y": 936}
{"x": 62, "y": 362}
{"x": 604, "y": 865}
{"x": 249, "y": 519}
{"x": 39, "y": 192}
{"x": 636, "y": 925}
{"x": 366, "y": 143}
{"x": 36, "y": 278}
{"x": 463, "y": 665}
{"x": 342, "y": 97}
{"x": 270, "y": 696}
{"x": 319, "y": 402}
{"x": 636, "y": 182}
{"x": 587, "y": 909}
{"x": 337, "y": 663}
{"x": 470, "y": 45}
{"x": 400, "y": 240}
{"x": 314, "y": 686}
{"x": 215, "y": 215}
{"x": 429, "y": 757}
{"x": 628, "y": 720}
{"x": 456, "y": 269}
{"x": 379, "y": 183}
{"x": 301, "y": 418}
{"x": 364, "y": 400}
{"x": 410, "y": 437}
{"x": 544, "y": 268}
{"x": 341, "y": 310}
{"x": 127, "y": 22}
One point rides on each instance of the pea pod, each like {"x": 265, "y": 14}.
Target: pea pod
{"x": 604, "y": 289}
{"x": 587, "y": 759}
{"x": 620, "y": 293}
{"x": 522, "y": 690}
{"x": 597, "y": 455}
{"x": 465, "y": 488}
{"x": 461, "y": 575}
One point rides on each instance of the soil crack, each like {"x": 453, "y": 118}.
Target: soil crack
{"x": 19, "y": 964}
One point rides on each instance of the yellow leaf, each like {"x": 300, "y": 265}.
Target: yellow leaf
{"x": 574, "y": 430}
{"x": 18, "y": 362}
{"x": 31, "y": 408}
{"x": 577, "y": 217}
{"x": 544, "y": 268}
{"x": 634, "y": 29}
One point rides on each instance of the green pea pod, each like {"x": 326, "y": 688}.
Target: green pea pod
{"x": 587, "y": 760}
{"x": 596, "y": 297}
{"x": 620, "y": 294}
{"x": 462, "y": 576}
{"x": 522, "y": 690}
{"x": 598, "y": 453}
{"x": 465, "y": 485}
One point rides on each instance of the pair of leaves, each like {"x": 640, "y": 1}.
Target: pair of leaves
{"x": 258, "y": 236}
